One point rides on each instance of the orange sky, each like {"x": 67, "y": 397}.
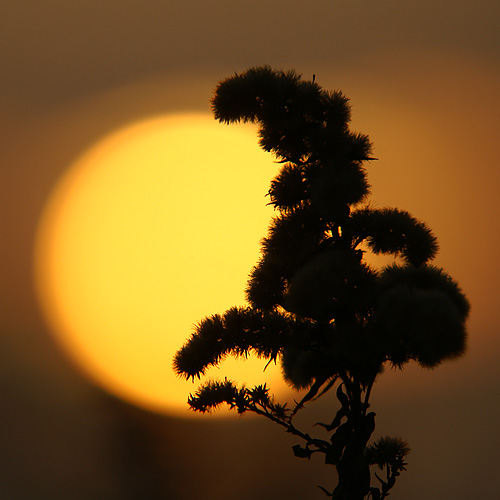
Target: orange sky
{"x": 423, "y": 80}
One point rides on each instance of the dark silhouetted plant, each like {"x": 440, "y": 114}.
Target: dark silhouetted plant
{"x": 315, "y": 305}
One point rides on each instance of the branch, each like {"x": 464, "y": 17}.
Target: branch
{"x": 366, "y": 405}
{"x": 320, "y": 444}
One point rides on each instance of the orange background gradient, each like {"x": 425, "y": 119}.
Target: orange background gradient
{"x": 423, "y": 79}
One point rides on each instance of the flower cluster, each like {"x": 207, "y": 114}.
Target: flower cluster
{"x": 314, "y": 303}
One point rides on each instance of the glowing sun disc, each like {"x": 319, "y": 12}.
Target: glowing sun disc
{"x": 149, "y": 231}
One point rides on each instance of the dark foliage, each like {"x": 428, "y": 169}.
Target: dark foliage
{"x": 315, "y": 305}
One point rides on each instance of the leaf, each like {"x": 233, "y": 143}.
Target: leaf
{"x": 339, "y": 441}
{"x": 327, "y": 386}
{"x": 325, "y": 491}
{"x": 310, "y": 394}
{"x": 342, "y": 397}
{"x": 300, "y": 452}
{"x": 336, "y": 421}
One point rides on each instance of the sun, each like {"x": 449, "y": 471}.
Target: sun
{"x": 153, "y": 228}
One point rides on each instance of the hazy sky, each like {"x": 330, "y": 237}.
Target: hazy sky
{"x": 423, "y": 78}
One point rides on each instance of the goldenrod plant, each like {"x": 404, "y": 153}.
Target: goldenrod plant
{"x": 315, "y": 305}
